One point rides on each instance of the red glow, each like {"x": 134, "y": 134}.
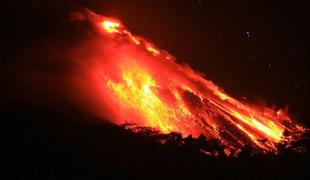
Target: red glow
{"x": 151, "y": 89}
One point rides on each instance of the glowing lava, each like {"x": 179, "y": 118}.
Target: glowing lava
{"x": 151, "y": 89}
{"x": 110, "y": 26}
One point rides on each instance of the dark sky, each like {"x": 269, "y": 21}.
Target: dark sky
{"x": 257, "y": 50}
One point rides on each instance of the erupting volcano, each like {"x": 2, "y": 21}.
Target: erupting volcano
{"x": 146, "y": 86}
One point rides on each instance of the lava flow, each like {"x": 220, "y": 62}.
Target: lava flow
{"x": 146, "y": 86}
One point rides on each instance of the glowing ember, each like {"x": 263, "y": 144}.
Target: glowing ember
{"x": 151, "y": 89}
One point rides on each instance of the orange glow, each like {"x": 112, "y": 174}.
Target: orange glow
{"x": 146, "y": 81}
{"x": 152, "y": 49}
{"x": 137, "y": 92}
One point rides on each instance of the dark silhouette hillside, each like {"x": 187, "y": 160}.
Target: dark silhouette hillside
{"x": 41, "y": 144}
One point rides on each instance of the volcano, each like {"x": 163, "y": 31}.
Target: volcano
{"x": 146, "y": 86}
{"x": 84, "y": 97}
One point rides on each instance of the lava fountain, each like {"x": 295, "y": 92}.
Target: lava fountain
{"x": 146, "y": 86}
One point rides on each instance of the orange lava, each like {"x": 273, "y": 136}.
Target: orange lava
{"x": 152, "y": 90}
